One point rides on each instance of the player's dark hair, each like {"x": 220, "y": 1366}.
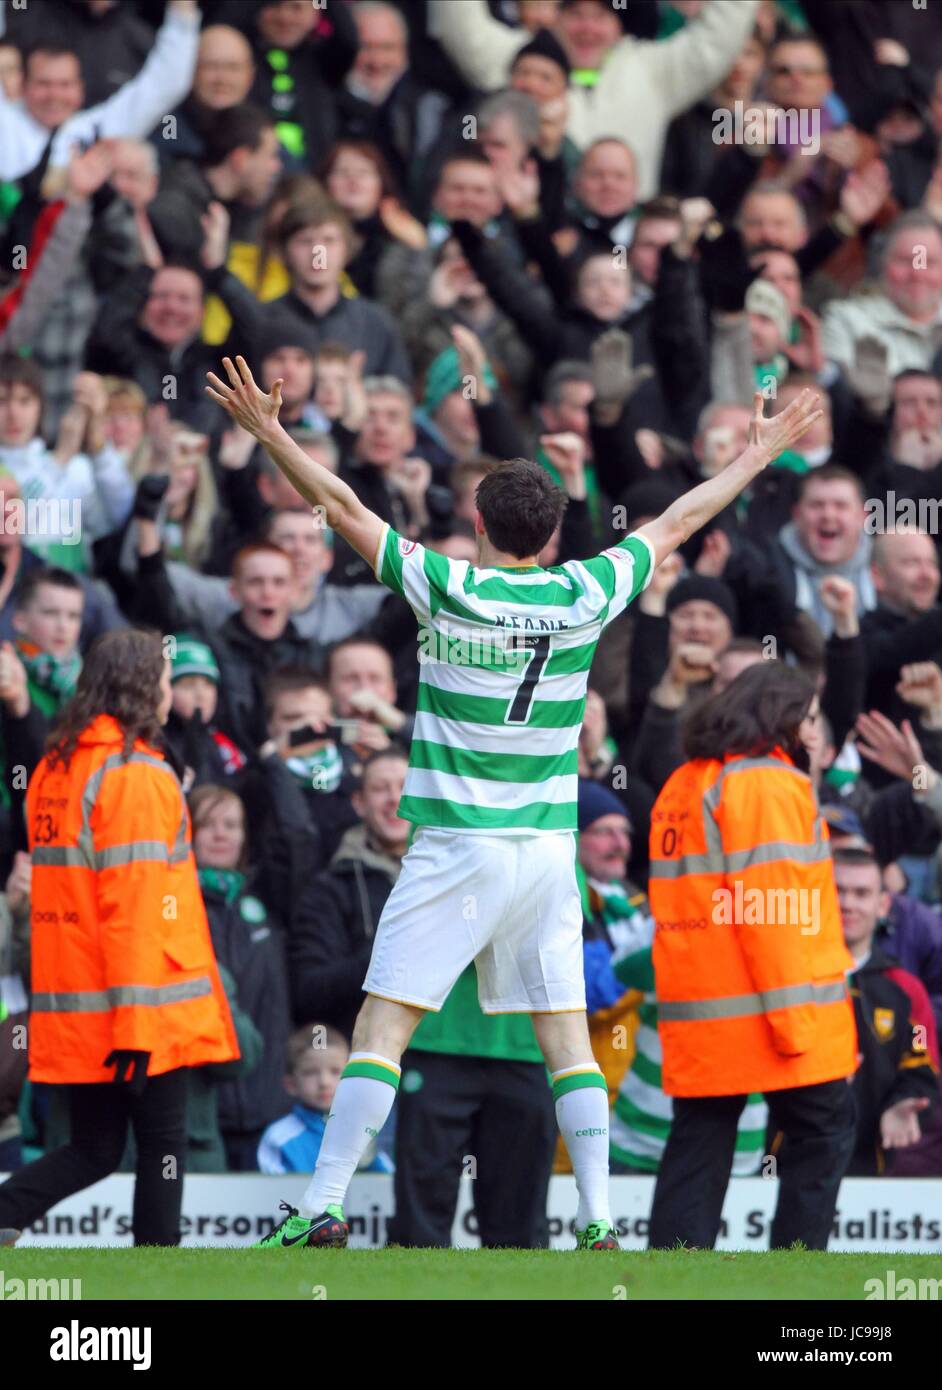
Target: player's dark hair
{"x": 520, "y": 506}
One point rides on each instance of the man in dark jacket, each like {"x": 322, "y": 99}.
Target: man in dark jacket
{"x": 328, "y": 962}
{"x": 316, "y": 296}
{"x": 238, "y": 169}
{"x": 898, "y": 1078}
{"x": 302, "y": 54}
{"x": 149, "y": 328}
{"x": 257, "y": 639}
{"x": 109, "y": 39}
{"x": 906, "y": 625}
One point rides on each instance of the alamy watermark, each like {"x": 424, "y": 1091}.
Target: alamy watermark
{"x": 57, "y": 517}
{"x": 763, "y": 125}
{"x": 886, "y": 515}
{"x": 768, "y": 907}
{"x": 39, "y": 1290}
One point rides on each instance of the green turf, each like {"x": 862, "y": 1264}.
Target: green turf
{"x": 460, "y": 1274}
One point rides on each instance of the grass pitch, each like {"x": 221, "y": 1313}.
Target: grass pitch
{"x": 464, "y": 1275}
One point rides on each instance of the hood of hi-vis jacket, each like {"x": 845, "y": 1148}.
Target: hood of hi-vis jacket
{"x": 121, "y": 950}
{"x": 749, "y": 957}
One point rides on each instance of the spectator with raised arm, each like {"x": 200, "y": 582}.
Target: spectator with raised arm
{"x": 53, "y": 96}
{"x": 620, "y": 83}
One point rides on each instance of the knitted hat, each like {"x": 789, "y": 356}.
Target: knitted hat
{"x": 763, "y": 298}
{"x": 543, "y": 45}
{"x": 596, "y": 801}
{"x": 444, "y": 376}
{"x": 193, "y": 658}
{"x": 281, "y": 330}
{"x": 650, "y": 497}
{"x": 703, "y": 588}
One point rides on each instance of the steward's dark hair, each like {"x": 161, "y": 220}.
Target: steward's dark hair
{"x": 121, "y": 677}
{"x": 520, "y": 506}
{"x": 760, "y": 710}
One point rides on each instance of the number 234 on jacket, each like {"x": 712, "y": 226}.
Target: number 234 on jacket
{"x": 121, "y": 952}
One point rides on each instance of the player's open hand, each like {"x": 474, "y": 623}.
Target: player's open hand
{"x": 250, "y": 407}
{"x": 769, "y": 438}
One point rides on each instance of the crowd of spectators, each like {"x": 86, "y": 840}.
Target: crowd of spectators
{"x": 453, "y": 228}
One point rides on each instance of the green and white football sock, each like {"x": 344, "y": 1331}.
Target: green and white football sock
{"x": 581, "y": 1097}
{"x": 360, "y": 1107}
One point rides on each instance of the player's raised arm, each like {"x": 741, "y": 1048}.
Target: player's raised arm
{"x": 257, "y": 413}
{"x": 767, "y": 439}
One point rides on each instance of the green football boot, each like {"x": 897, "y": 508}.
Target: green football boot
{"x": 598, "y": 1235}
{"x": 328, "y": 1229}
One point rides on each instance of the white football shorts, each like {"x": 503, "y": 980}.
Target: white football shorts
{"x": 510, "y": 903}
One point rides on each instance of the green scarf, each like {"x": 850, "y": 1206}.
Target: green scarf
{"x": 51, "y": 681}
{"x": 321, "y": 771}
{"x": 227, "y": 883}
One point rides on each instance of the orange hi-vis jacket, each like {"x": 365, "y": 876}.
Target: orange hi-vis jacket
{"x": 121, "y": 952}
{"x": 749, "y": 956}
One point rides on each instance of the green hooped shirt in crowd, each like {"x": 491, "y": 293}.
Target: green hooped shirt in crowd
{"x": 460, "y": 1029}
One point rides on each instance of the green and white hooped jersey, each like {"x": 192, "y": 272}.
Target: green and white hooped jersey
{"x": 641, "y": 1117}
{"x": 505, "y": 656}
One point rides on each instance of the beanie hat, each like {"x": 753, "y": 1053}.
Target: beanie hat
{"x": 763, "y": 298}
{"x": 544, "y": 45}
{"x": 596, "y": 801}
{"x": 650, "y": 497}
{"x": 193, "y": 658}
{"x": 703, "y": 588}
{"x": 444, "y": 376}
{"x": 282, "y": 330}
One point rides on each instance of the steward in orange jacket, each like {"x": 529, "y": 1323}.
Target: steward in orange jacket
{"x": 121, "y": 953}
{"x": 750, "y": 964}
{"x": 126, "y": 993}
{"x": 749, "y": 956}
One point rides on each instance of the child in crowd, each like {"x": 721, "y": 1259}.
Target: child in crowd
{"x": 316, "y": 1056}
{"x": 191, "y": 730}
{"x": 38, "y": 675}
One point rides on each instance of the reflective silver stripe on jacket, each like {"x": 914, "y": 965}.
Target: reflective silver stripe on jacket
{"x": 716, "y": 860}
{"x": 750, "y": 1005}
{"x": 83, "y": 854}
{"x": 817, "y": 852}
{"x": 92, "y": 1001}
